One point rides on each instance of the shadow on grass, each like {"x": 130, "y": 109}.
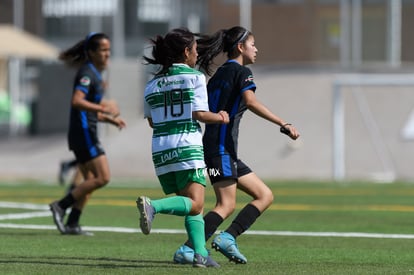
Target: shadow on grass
{"x": 91, "y": 262}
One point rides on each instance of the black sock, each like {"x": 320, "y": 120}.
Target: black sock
{"x": 244, "y": 220}
{"x": 67, "y": 201}
{"x": 212, "y": 221}
{"x": 74, "y": 217}
{"x": 72, "y": 163}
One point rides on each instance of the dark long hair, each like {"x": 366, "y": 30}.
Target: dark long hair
{"x": 225, "y": 40}
{"x": 170, "y": 48}
{"x": 78, "y": 53}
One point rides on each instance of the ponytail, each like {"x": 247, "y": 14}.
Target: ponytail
{"x": 170, "y": 49}
{"x": 78, "y": 53}
{"x": 226, "y": 40}
{"x": 208, "y": 47}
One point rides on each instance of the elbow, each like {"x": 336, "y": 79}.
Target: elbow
{"x": 249, "y": 105}
{"x": 75, "y": 103}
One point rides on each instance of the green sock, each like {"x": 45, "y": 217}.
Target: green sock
{"x": 177, "y": 205}
{"x": 195, "y": 231}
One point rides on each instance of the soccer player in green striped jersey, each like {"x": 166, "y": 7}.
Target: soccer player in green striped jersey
{"x": 175, "y": 100}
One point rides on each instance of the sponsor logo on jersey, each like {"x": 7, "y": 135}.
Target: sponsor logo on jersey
{"x": 170, "y": 155}
{"x": 163, "y": 82}
{"x": 85, "y": 81}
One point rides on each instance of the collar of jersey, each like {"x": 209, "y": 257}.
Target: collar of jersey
{"x": 181, "y": 64}
{"x": 97, "y": 73}
{"x": 232, "y": 61}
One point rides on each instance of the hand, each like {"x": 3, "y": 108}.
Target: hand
{"x": 120, "y": 123}
{"x": 289, "y": 130}
{"x": 110, "y": 107}
{"x": 225, "y": 116}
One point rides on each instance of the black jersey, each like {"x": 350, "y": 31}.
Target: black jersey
{"x": 225, "y": 90}
{"x": 83, "y": 124}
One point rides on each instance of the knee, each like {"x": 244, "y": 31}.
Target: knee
{"x": 265, "y": 198}
{"x": 196, "y": 208}
{"x": 268, "y": 198}
{"x": 102, "y": 181}
{"x": 225, "y": 209}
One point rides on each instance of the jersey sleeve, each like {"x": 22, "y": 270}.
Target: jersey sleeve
{"x": 83, "y": 82}
{"x": 247, "y": 80}
{"x": 200, "y": 102}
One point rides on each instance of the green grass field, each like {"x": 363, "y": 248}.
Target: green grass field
{"x": 303, "y": 232}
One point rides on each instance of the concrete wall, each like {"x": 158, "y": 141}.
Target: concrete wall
{"x": 301, "y": 97}
{"x": 372, "y": 150}
{"x": 55, "y": 84}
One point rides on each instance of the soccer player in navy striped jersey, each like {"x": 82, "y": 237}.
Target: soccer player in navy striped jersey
{"x": 91, "y": 56}
{"x": 231, "y": 88}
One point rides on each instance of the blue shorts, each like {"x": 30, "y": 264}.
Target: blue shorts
{"x": 225, "y": 167}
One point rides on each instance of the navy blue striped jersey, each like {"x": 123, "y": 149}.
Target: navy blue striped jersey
{"x": 225, "y": 90}
{"x": 83, "y": 124}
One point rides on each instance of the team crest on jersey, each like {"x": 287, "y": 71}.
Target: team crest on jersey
{"x": 85, "y": 81}
{"x": 249, "y": 78}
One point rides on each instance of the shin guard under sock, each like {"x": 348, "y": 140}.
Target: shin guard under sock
{"x": 244, "y": 220}
{"x": 67, "y": 201}
{"x": 212, "y": 221}
{"x": 74, "y": 217}
{"x": 195, "y": 230}
{"x": 177, "y": 205}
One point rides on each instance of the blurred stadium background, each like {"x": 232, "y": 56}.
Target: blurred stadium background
{"x": 315, "y": 57}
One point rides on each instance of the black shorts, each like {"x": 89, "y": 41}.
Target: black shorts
{"x": 84, "y": 155}
{"x": 225, "y": 167}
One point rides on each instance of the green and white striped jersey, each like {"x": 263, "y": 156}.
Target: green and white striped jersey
{"x": 170, "y": 100}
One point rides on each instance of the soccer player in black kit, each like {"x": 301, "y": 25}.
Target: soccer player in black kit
{"x": 232, "y": 89}
{"x": 91, "y": 56}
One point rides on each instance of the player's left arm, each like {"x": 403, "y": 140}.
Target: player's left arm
{"x": 113, "y": 118}
{"x": 261, "y": 110}
{"x": 112, "y": 104}
{"x": 116, "y": 121}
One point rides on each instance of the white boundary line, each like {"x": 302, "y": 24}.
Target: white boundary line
{"x": 19, "y": 216}
{"x": 251, "y": 232}
{"x": 19, "y": 205}
{"x": 169, "y": 231}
